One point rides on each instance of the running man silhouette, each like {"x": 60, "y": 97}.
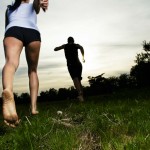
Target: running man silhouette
{"x": 73, "y": 63}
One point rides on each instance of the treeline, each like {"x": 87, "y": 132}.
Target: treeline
{"x": 138, "y": 77}
{"x": 97, "y": 85}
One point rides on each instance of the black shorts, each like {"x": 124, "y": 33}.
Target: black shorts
{"x": 75, "y": 70}
{"x": 26, "y": 35}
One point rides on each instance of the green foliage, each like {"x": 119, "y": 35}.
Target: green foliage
{"x": 144, "y": 56}
{"x": 117, "y": 121}
{"x": 141, "y": 71}
{"x": 146, "y": 46}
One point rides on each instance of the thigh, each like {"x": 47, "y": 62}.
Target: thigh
{"x": 15, "y": 32}
{"x": 75, "y": 71}
{"x": 30, "y": 35}
{"x": 32, "y": 53}
{"x": 12, "y": 49}
{"x": 79, "y": 72}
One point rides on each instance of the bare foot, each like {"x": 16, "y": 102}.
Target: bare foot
{"x": 80, "y": 98}
{"x": 9, "y": 109}
{"x": 35, "y": 112}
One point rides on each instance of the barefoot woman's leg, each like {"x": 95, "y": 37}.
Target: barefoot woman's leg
{"x": 12, "y": 49}
{"x": 32, "y": 56}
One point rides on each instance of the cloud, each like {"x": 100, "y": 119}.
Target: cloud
{"x": 111, "y": 33}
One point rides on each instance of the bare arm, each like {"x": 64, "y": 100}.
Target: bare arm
{"x": 6, "y": 18}
{"x": 82, "y": 51}
{"x": 37, "y": 4}
{"x": 59, "y": 47}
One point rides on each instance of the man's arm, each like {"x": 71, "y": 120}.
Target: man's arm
{"x": 59, "y": 47}
{"x": 82, "y": 51}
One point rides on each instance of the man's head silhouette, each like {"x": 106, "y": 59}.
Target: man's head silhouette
{"x": 70, "y": 39}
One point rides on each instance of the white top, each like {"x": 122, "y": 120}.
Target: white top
{"x": 24, "y": 16}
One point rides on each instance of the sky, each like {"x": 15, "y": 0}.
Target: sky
{"x": 111, "y": 33}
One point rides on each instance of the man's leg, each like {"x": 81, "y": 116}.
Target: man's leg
{"x": 78, "y": 86}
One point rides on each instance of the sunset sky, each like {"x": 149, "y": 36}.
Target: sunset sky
{"x": 111, "y": 32}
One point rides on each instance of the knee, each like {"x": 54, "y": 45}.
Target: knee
{"x": 32, "y": 70}
{"x": 12, "y": 64}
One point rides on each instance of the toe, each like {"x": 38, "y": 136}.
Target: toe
{"x": 9, "y": 124}
{"x": 17, "y": 122}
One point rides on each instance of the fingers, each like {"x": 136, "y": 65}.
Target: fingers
{"x": 44, "y": 4}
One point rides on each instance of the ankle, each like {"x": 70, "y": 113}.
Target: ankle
{"x": 80, "y": 93}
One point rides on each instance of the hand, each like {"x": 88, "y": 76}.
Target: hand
{"x": 83, "y": 60}
{"x": 44, "y": 4}
{"x": 55, "y": 49}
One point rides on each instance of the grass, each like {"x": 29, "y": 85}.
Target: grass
{"x": 120, "y": 121}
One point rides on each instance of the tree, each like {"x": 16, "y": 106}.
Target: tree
{"x": 141, "y": 71}
{"x": 100, "y": 84}
{"x": 52, "y": 94}
{"x": 72, "y": 92}
{"x": 126, "y": 81}
{"x": 24, "y": 98}
{"x": 62, "y": 94}
{"x": 96, "y": 84}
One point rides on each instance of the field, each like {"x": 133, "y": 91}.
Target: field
{"x": 119, "y": 121}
